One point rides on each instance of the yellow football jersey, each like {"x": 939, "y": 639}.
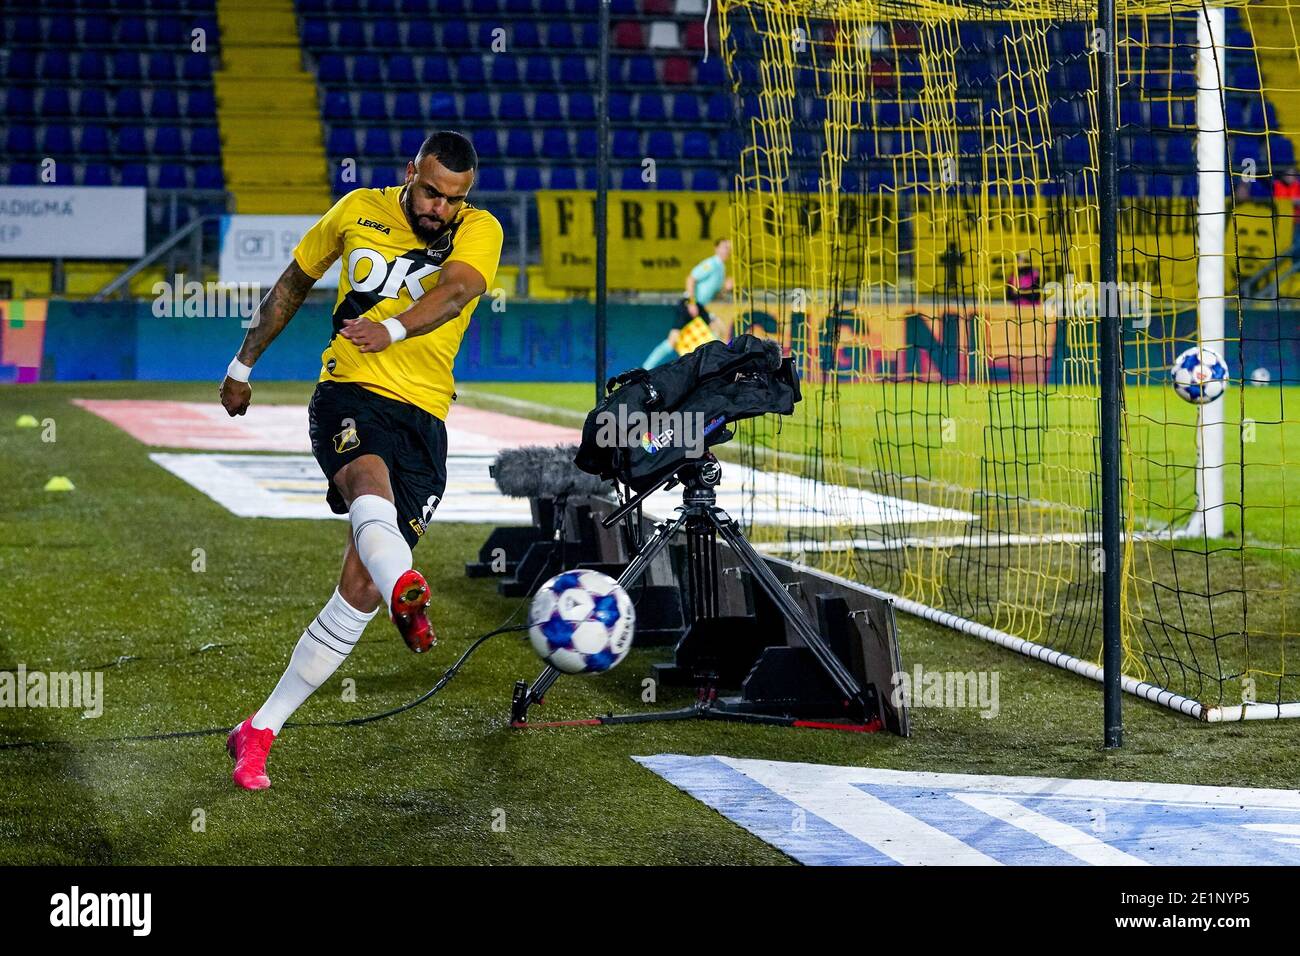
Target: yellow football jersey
{"x": 385, "y": 269}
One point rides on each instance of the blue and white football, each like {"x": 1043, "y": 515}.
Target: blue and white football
{"x": 1199, "y": 375}
{"x": 581, "y": 622}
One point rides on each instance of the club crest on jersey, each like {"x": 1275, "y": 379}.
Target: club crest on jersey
{"x": 347, "y": 440}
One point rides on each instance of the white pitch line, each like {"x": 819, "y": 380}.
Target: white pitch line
{"x": 1082, "y": 846}
{"x": 896, "y": 834}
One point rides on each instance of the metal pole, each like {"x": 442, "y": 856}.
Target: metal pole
{"x": 602, "y": 200}
{"x": 1110, "y": 373}
{"x": 1211, "y": 220}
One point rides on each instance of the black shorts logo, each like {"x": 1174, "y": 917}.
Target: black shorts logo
{"x": 347, "y": 440}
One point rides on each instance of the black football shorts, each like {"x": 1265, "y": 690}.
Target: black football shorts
{"x": 346, "y": 421}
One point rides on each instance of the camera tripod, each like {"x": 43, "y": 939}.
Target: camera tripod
{"x": 703, "y": 521}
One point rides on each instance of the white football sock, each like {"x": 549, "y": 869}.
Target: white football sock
{"x": 379, "y": 543}
{"x": 322, "y": 648}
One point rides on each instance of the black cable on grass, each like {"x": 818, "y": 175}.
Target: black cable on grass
{"x": 505, "y": 628}
{"x": 351, "y": 722}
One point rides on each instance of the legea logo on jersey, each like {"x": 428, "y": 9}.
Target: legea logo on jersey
{"x": 369, "y": 271}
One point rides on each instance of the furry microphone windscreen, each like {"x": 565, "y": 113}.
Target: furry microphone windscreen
{"x": 544, "y": 470}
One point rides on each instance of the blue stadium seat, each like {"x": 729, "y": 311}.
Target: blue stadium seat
{"x": 511, "y": 107}
{"x": 720, "y": 109}
{"x": 539, "y": 71}
{"x": 491, "y": 178}
{"x": 487, "y": 34}
{"x": 372, "y": 106}
{"x": 23, "y": 174}
{"x": 401, "y": 69}
{"x": 546, "y": 108}
{"x": 555, "y": 143}
{"x": 197, "y": 68}
{"x": 56, "y": 65}
{"x": 57, "y": 141}
{"x": 526, "y": 36}
{"x": 130, "y": 141}
{"x": 384, "y": 35}
{"x": 519, "y": 144}
{"x": 420, "y": 35}
{"x": 199, "y": 104}
{"x": 620, "y": 107}
{"x": 173, "y": 176}
{"x": 527, "y": 179}
{"x": 331, "y": 69}
{"x": 505, "y": 71}
{"x": 442, "y": 106}
{"x": 575, "y": 71}
{"x": 641, "y": 71}
{"x": 469, "y": 70}
{"x": 670, "y": 178}
{"x": 686, "y": 108}
{"x": 455, "y": 36}
{"x": 21, "y": 140}
{"x": 132, "y": 31}
{"x": 20, "y": 102}
{"x": 367, "y": 68}
{"x": 92, "y": 103}
{"x": 350, "y": 34}
{"x": 586, "y": 145}
{"x": 650, "y": 108}
{"x": 476, "y": 107}
{"x": 411, "y": 140}
{"x": 378, "y": 143}
{"x": 164, "y": 104}
{"x": 167, "y": 141}
{"x": 564, "y": 177}
{"x": 661, "y": 144}
{"x": 696, "y": 145}
{"x": 1178, "y": 151}
{"x": 135, "y": 174}
{"x": 485, "y": 143}
{"x": 582, "y": 108}
{"x": 162, "y": 68}
{"x": 406, "y": 106}
{"x": 94, "y": 141}
{"x": 516, "y": 7}
{"x": 435, "y": 71}
{"x": 25, "y": 30}
{"x": 22, "y": 65}
{"x": 342, "y": 141}
{"x": 711, "y": 72}
{"x": 205, "y": 141}
{"x": 559, "y": 35}
{"x": 554, "y": 7}
{"x": 631, "y": 179}
{"x": 316, "y": 34}
{"x": 97, "y": 174}
{"x": 338, "y": 105}
{"x": 56, "y": 102}
{"x": 626, "y": 144}
{"x": 126, "y": 66}
{"x": 705, "y": 179}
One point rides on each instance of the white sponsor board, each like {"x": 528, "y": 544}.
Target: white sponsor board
{"x": 258, "y": 248}
{"x": 52, "y": 221}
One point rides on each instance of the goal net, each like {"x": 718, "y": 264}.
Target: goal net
{"x": 916, "y": 217}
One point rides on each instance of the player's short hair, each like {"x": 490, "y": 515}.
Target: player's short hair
{"x": 452, "y": 149}
{"x": 718, "y": 242}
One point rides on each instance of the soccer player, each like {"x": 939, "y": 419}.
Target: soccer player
{"x": 416, "y": 258}
{"x": 694, "y": 325}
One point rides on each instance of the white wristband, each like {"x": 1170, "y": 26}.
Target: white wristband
{"x": 238, "y": 370}
{"x": 395, "y": 329}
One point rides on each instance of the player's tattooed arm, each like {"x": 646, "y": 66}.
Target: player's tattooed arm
{"x": 458, "y": 285}
{"x": 272, "y": 315}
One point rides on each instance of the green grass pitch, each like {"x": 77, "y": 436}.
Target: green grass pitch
{"x": 105, "y": 574}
